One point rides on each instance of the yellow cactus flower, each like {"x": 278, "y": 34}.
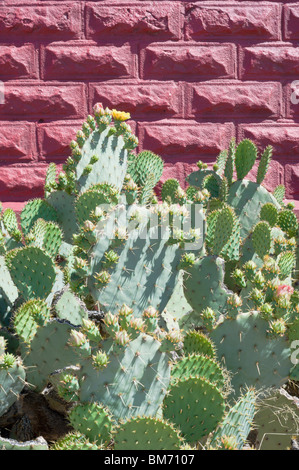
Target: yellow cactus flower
{"x": 120, "y": 115}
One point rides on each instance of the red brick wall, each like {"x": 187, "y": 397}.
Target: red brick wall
{"x": 193, "y": 75}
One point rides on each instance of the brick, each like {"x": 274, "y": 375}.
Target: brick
{"x": 54, "y": 139}
{"x": 79, "y": 60}
{"x": 283, "y": 137}
{"x": 17, "y": 142}
{"x": 245, "y": 20}
{"x": 291, "y": 21}
{"x": 269, "y": 61}
{"x": 40, "y": 20}
{"x": 17, "y": 207}
{"x": 18, "y": 61}
{"x": 185, "y": 138}
{"x": 239, "y": 99}
{"x": 139, "y": 99}
{"x": 22, "y": 183}
{"x": 148, "y": 19}
{"x": 188, "y": 61}
{"x": 52, "y": 100}
{"x": 292, "y": 179}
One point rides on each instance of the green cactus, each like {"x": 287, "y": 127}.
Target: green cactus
{"x": 36, "y": 209}
{"x": 261, "y": 239}
{"x": 95, "y": 308}
{"x": 100, "y": 154}
{"x": 12, "y": 380}
{"x": 269, "y": 213}
{"x": 29, "y": 317}
{"x": 32, "y": 271}
{"x": 195, "y": 406}
{"x": 238, "y": 421}
{"x": 200, "y": 366}
{"x": 245, "y": 158}
{"x": 143, "y": 433}
{"x": 204, "y": 286}
{"x": 264, "y": 164}
{"x": 75, "y": 441}
{"x": 92, "y": 420}
{"x": 68, "y": 307}
{"x": 198, "y": 343}
{"x": 245, "y": 348}
{"x": 279, "y": 194}
{"x": 48, "y": 351}
{"x": 135, "y": 380}
{"x": 147, "y": 268}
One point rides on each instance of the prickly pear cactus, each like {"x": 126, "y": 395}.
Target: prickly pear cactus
{"x": 12, "y": 380}
{"x": 143, "y": 433}
{"x": 254, "y": 357}
{"x": 152, "y": 334}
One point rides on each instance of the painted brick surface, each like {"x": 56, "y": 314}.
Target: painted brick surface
{"x": 192, "y": 74}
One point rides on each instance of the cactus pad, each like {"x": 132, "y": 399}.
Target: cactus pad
{"x": 195, "y": 406}
{"x": 144, "y": 433}
{"x": 246, "y": 350}
{"x": 32, "y": 271}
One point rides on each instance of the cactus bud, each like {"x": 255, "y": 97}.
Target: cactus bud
{"x": 111, "y": 323}
{"x": 103, "y": 122}
{"x": 98, "y": 110}
{"x": 259, "y": 280}
{"x": 81, "y": 266}
{"x": 89, "y": 226}
{"x": 111, "y": 257}
{"x": 86, "y": 129}
{"x": 125, "y": 315}
{"x": 102, "y": 278}
{"x": 266, "y": 311}
{"x": 91, "y": 122}
{"x": 234, "y": 303}
{"x": 229, "y": 443}
{"x": 131, "y": 141}
{"x": 7, "y": 361}
{"x": 150, "y": 317}
{"x": 209, "y": 318}
{"x": 206, "y": 194}
{"x": 187, "y": 260}
{"x": 135, "y": 327}
{"x": 257, "y": 296}
{"x": 80, "y": 138}
{"x": 87, "y": 170}
{"x": 122, "y": 338}
{"x": 100, "y": 360}
{"x": 277, "y": 328}
{"x": 68, "y": 386}
{"x": 90, "y": 329}
{"x": 94, "y": 159}
{"x": 79, "y": 341}
{"x": 239, "y": 278}
{"x": 250, "y": 269}
{"x": 171, "y": 341}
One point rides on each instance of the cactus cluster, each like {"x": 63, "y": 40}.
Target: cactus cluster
{"x": 147, "y": 322}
